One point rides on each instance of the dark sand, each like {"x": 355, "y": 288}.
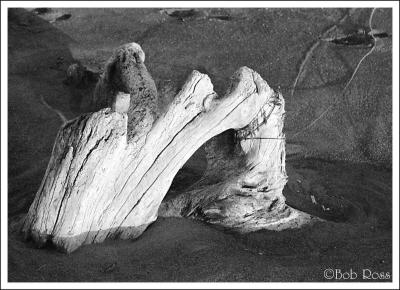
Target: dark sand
{"x": 342, "y": 160}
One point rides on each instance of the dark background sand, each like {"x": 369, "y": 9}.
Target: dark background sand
{"x": 343, "y": 159}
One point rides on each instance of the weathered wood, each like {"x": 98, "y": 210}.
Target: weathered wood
{"x": 242, "y": 186}
{"x": 110, "y": 170}
{"x": 100, "y": 183}
{"x": 125, "y": 72}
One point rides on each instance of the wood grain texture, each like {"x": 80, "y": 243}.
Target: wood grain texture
{"x": 242, "y": 189}
{"x": 100, "y": 183}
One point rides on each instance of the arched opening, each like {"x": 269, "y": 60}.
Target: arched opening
{"x": 209, "y": 164}
{"x": 189, "y": 174}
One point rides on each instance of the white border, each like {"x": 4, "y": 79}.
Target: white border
{"x": 132, "y": 4}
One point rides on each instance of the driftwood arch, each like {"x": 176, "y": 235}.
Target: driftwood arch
{"x": 103, "y": 181}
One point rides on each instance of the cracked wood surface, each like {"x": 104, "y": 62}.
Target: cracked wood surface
{"x": 101, "y": 184}
{"x": 242, "y": 189}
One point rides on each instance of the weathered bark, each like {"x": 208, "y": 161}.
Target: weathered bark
{"x": 99, "y": 183}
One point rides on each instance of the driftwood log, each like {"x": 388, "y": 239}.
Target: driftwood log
{"x": 244, "y": 180}
{"x": 110, "y": 169}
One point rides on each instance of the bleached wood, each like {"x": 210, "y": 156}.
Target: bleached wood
{"x": 248, "y": 196}
{"x": 99, "y": 183}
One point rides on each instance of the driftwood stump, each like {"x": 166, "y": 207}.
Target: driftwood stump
{"x": 245, "y": 176}
{"x": 110, "y": 170}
